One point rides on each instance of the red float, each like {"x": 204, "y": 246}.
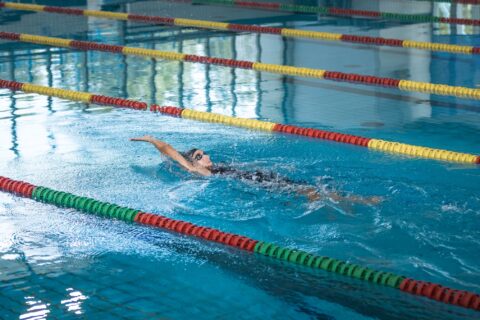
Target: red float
{"x": 10, "y": 35}
{"x": 77, "y": 12}
{"x": 259, "y": 29}
{"x": 437, "y": 292}
{"x": 264, "y": 5}
{"x": 151, "y": 19}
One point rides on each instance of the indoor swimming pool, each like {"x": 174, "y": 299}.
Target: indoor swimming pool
{"x": 59, "y": 263}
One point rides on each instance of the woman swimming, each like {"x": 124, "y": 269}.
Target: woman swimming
{"x": 198, "y": 161}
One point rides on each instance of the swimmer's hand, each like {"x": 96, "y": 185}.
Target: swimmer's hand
{"x": 170, "y": 152}
{"x": 145, "y": 138}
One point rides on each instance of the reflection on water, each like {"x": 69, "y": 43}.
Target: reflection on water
{"x": 208, "y": 88}
{"x": 37, "y": 309}
{"x": 455, "y": 10}
{"x": 74, "y": 302}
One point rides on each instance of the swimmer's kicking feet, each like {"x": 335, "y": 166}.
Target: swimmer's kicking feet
{"x": 198, "y": 161}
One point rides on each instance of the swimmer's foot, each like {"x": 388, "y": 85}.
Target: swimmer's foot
{"x": 145, "y": 138}
{"x": 374, "y": 200}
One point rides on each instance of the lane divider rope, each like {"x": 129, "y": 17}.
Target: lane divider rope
{"x": 91, "y": 206}
{"x": 285, "y": 32}
{"x": 453, "y": 1}
{"x": 418, "y": 18}
{"x": 403, "y": 85}
{"x": 375, "y": 144}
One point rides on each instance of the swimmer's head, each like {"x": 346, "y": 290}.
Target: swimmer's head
{"x": 198, "y": 158}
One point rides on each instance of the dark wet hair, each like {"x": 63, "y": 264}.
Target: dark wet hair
{"x": 189, "y": 154}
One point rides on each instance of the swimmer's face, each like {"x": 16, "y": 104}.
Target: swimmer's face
{"x": 201, "y": 159}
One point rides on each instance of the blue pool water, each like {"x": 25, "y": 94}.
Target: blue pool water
{"x": 58, "y": 263}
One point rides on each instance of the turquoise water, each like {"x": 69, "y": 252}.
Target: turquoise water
{"x": 57, "y": 263}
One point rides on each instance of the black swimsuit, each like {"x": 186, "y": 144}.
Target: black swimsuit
{"x": 254, "y": 176}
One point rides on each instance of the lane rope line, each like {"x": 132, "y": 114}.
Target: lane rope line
{"x": 453, "y": 1}
{"x": 374, "y": 144}
{"x": 399, "y": 84}
{"x": 284, "y": 32}
{"x": 332, "y": 11}
{"x": 91, "y": 206}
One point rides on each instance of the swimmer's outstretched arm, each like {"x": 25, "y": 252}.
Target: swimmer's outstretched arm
{"x": 169, "y": 151}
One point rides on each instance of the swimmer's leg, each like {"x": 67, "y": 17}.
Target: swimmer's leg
{"x": 314, "y": 195}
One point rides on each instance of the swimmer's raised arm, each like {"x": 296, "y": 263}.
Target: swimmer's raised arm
{"x": 169, "y": 151}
